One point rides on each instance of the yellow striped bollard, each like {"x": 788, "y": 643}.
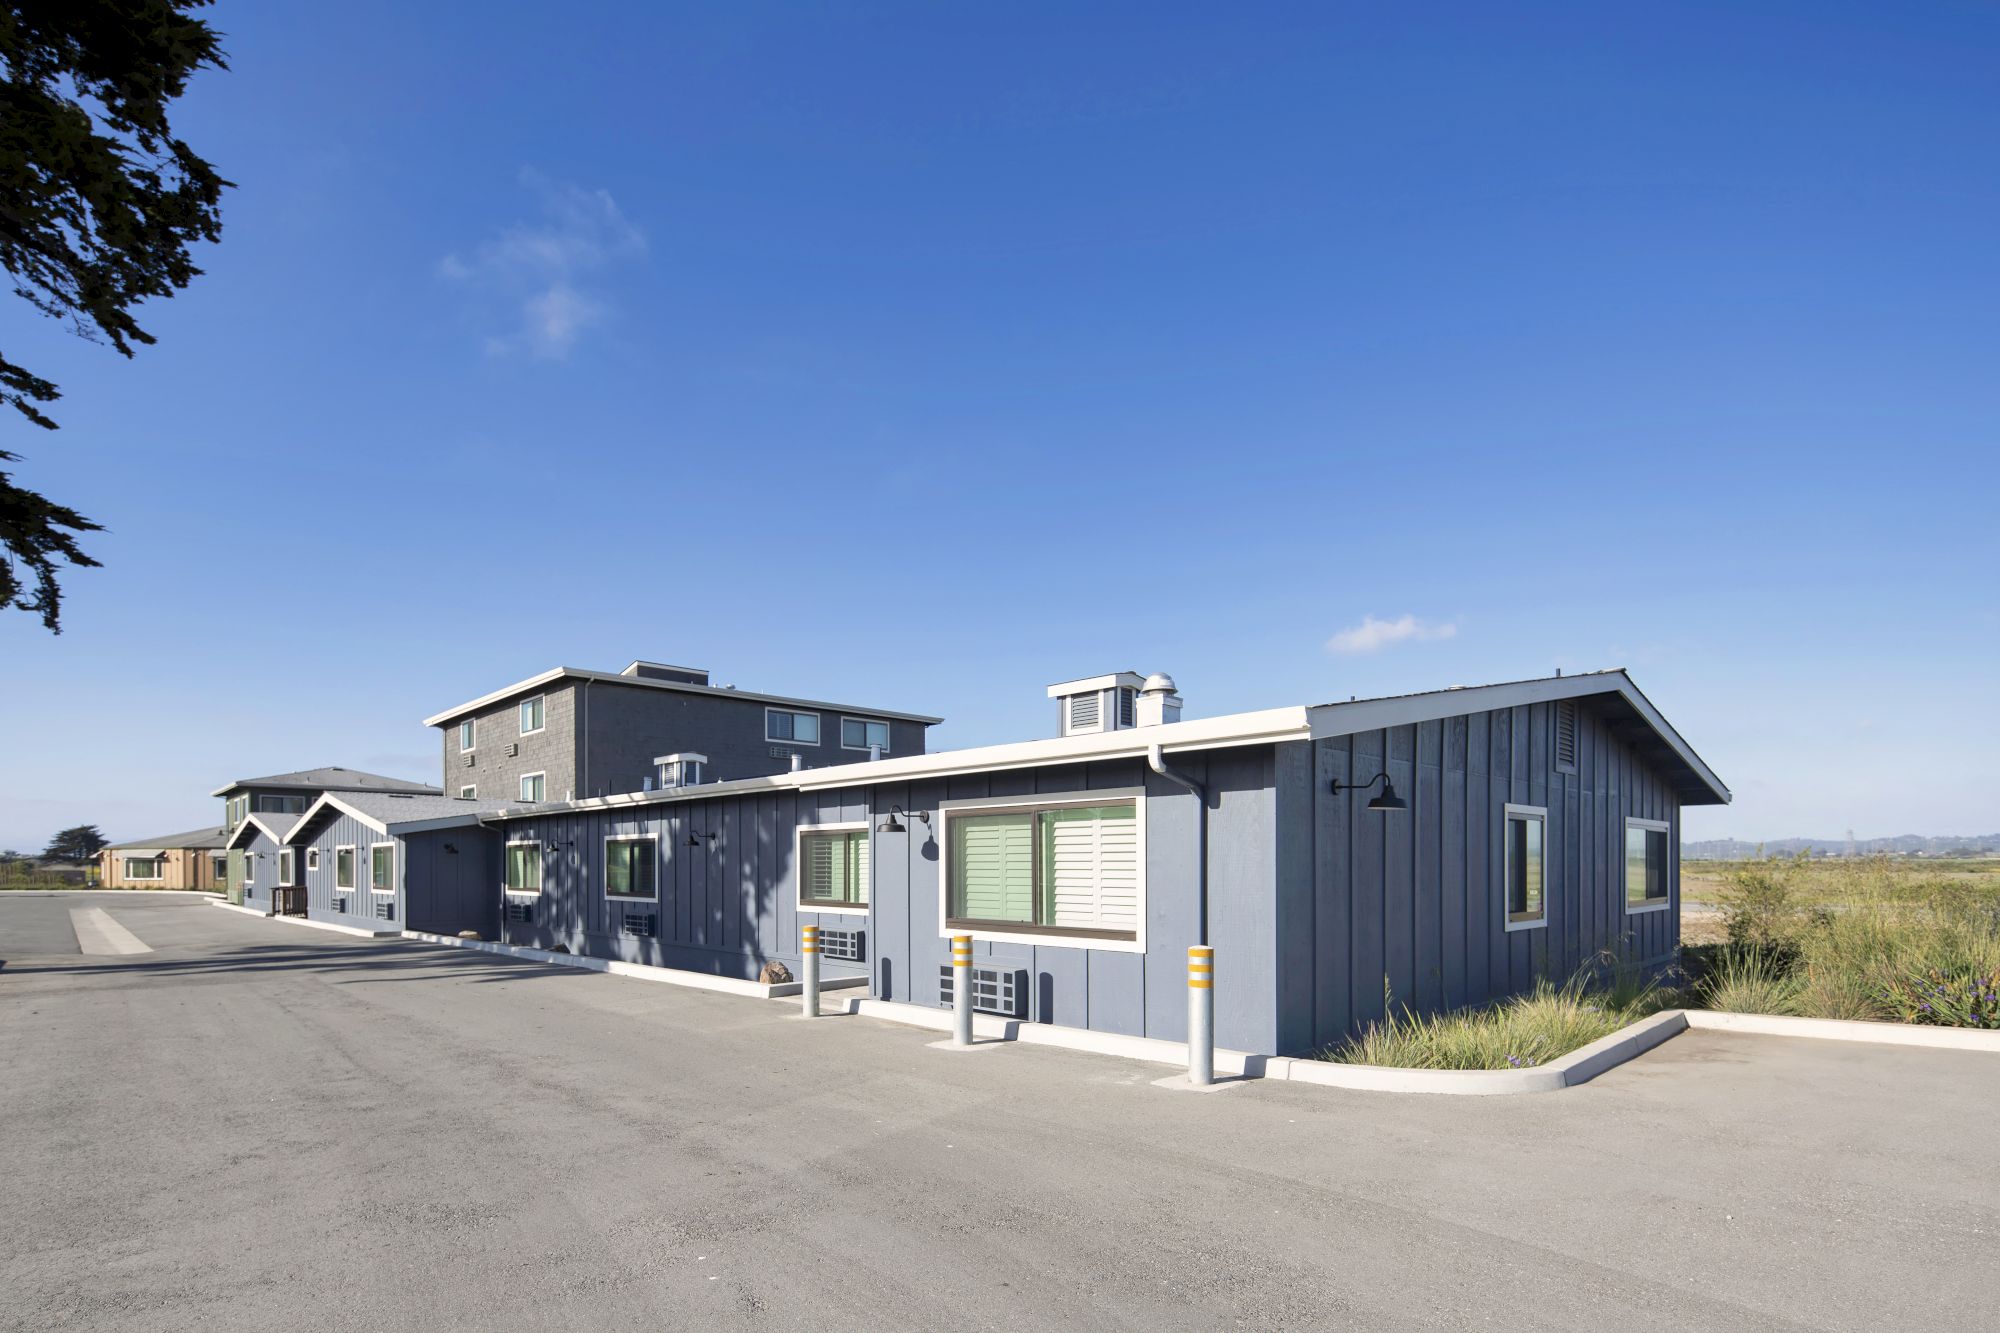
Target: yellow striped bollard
{"x": 961, "y": 990}
{"x": 809, "y": 967}
{"x": 1201, "y": 1015}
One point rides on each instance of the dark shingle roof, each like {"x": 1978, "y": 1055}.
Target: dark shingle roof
{"x": 332, "y": 779}
{"x": 197, "y": 840}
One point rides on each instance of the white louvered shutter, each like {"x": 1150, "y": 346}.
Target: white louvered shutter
{"x": 1092, "y": 855}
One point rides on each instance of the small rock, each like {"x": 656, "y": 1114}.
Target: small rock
{"x": 774, "y": 972}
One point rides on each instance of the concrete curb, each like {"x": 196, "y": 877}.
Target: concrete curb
{"x": 1579, "y": 1066}
{"x": 670, "y": 976}
{"x": 307, "y": 921}
{"x": 1834, "y": 1029}
{"x": 994, "y": 1028}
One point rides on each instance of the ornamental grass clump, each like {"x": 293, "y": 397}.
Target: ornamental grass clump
{"x": 1517, "y": 1033}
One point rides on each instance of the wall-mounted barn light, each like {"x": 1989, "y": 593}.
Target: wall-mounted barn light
{"x": 1388, "y": 800}
{"x": 695, "y": 838}
{"x": 894, "y": 825}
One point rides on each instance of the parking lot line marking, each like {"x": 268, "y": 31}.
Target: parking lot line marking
{"x": 97, "y": 933}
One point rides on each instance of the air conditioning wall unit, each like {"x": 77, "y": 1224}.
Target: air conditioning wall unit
{"x": 995, "y": 990}
{"x": 513, "y": 749}
{"x": 523, "y": 912}
{"x": 844, "y": 946}
{"x": 469, "y": 758}
{"x": 642, "y": 927}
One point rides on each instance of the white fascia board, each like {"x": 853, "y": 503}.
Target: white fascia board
{"x": 256, "y": 821}
{"x": 683, "y": 687}
{"x": 1129, "y": 679}
{"x": 1210, "y": 733}
{"x": 407, "y": 826}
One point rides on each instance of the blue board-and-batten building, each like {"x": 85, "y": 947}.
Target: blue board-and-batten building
{"x": 1534, "y": 828}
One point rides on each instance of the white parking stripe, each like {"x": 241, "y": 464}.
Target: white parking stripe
{"x": 96, "y": 932}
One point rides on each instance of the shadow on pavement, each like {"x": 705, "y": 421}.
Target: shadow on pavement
{"x": 382, "y": 961}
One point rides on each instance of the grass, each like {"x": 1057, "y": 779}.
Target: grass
{"x": 1517, "y": 1033}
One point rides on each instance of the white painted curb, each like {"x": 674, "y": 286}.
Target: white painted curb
{"x": 671, "y": 976}
{"x": 1579, "y": 1066}
{"x": 994, "y": 1028}
{"x": 306, "y": 921}
{"x": 1834, "y": 1029}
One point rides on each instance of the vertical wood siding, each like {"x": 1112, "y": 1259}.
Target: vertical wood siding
{"x": 1412, "y": 901}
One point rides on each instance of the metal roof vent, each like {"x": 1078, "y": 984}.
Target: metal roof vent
{"x": 1159, "y": 701}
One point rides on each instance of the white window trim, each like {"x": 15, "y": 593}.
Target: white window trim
{"x": 792, "y": 712}
{"x": 469, "y": 793}
{"x": 159, "y": 869}
{"x": 544, "y": 776}
{"x": 1540, "y": 812}
{"x": 604, "y": 869}
{"x": 221, "y": 871}
{"x": 288, "y": 868}
{"x": 312, "y": 859}
{"x": 1624, "y": 887}
{"x": 536, "y": 843}
{"x": 799, "y": 867}
{"x": 1002, "y": 804}
{"x": 877, "y": 721}
{"x": 472, "y": 722}
{"x": 353, "y": 868}
{"x": 520, "y": 709}
{"x": 249, "y": 867}
{"x": 391, "y": 890}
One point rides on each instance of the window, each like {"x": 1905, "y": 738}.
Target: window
{"x": 1526, "y": 906}
{"x": 629, "y": 865}
{"x": 797, "y": 728}
{"x": 1043, "y": 869}
{"x": 860, "y": 734}
{"x": 142, "y": 867}
{"x": 382, "y": 868}
{"x": 249, "y": 868}
{"x": 681, "y": 770}
{"x": 219, "y": 867}
{"x": 468, "y": 734}
{"x": 532, "y": 786}
{"x": 279, "y": 805}
{"x": 531, "y": 715}
{"x": 468, "y": 793}
{"x": 524, "y": 867}
{"x": 285, "y": 862}
{"x": 1645, "y": 865}
{"x": 343, "y": 867}
{"x": 312, "y": 858}
{"x": 833, "y": 869}
{"x": 233, "y": 811}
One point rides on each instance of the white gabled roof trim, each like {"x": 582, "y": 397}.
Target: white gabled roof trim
{"x": 329, "y": 800}
{"x": 256, "y": 820}
{"x": 641, "y": 682}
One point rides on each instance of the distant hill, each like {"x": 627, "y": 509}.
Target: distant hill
{"x": 1906, "y": 844}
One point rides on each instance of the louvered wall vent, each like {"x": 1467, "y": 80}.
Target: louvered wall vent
{"x": 513, "y": 748}
{"x": 522, "y": 912}
{"x": 469, "y": 758}
{"x": 340, "y": 903}
{"x": 640, "y": 927}
{"x": 1082, "y": 711}
{"x": 385, "y": 908}
{"x": 844, "y": 945}
{"x": 1566, "y": 736}
{"x": 995, "y": 990}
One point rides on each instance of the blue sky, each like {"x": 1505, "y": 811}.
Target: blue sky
{"x": 923, "y": 355}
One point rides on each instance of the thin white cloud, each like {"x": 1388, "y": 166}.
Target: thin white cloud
{"x": 1373, "y": 635}
{"x": 541, "y": 270}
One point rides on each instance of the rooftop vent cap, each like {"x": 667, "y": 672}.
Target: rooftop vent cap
{"x": 1159, "y": 702}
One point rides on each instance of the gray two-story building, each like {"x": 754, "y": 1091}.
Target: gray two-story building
{"x": 258, "y": 812}
{"x": 568, "y": 734}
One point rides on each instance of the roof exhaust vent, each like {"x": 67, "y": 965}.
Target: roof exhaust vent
{"x": 1104, "y": 703}
{"x": 1159, "y": 701}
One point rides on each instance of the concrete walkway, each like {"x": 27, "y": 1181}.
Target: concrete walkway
{"x": 260, "y": 1126}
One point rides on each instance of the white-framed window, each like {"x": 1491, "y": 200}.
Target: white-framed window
{"x": 524, "y": 867}
{"x": 1645, "y": 865}
{"x": 468, "y": 793}
{"x": 468, "y": 735}
{"x": 533, "y": 715}
{"x": 249, "y": 868}
{"x": 287, "y": 859}
{"x": 1525, "y": 866}
{"x": 312, "y": 858}
{"x": 233, "y": 811}
{"x": 143, "y": 867}
{"x": 533, "y": 785}
{"x": 278, "y": 805}
{"x": 833, "y": 867}
{"x": 632, "y": 866}
{"x": 782, "y": 724}
{"x": 382, "y": 867}
{"x": 1067, "y": 870}
{"x": 343, "y": 867}
{"x": 219, "y": 867}
{"x": 858, "y": 733}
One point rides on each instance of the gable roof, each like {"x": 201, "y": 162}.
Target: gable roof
{"x": 274, "y": 827}
{"x": 329, "y": 779}
{"x": 390, "y": 812}
{"x": 200, "y": 839}
{"x": 1628, "y": 713}
{"x": 555, "y": 674}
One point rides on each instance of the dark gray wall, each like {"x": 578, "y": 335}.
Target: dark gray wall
{"x": 259, "y": 844}
{"x": 451, "y": 881}
{"x": 551, "y": 751}
{"x": 1416, "y": 897}
{"x": 329, "y": 830}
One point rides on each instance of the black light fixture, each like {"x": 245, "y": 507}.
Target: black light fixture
{"x": 695, "y": 838}
{"x": 894, "y": 825}
{"x": 1387, "y": 800}
{"x": 451, "y": 849}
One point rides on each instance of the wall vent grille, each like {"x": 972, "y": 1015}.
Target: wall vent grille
{"x": 639, "y": 927}
{"x": 1566, "y": 736}
{"x": 513, "y": 749}
{"x": 340, "y": 903}
{"x": 1082, "y": 712}
{"x": 995, "y": 990}
{"x": 523, "y": 913}
{"x": 385, "y": 908}
{"x": 469, "y": 758}
{"x": 842, "y": 945}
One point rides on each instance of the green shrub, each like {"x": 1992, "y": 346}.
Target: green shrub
{"x": 1762, "y": 911}
{"x": 1516, "y": 1033}
{"x": 1745, "y": 980}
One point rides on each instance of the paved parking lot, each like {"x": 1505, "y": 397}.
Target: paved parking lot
{"x": 257, "y": 1125}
